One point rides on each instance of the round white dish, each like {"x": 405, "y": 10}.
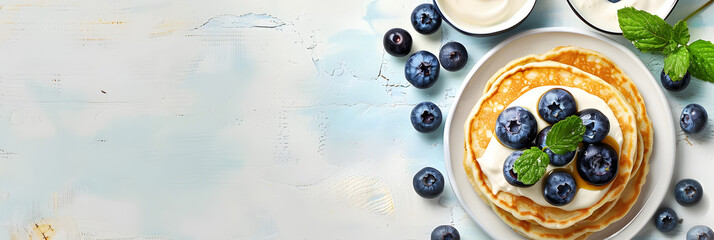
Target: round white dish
{"x": 535, "y": 42}
{"x": 471, "y": 29}
{"x": 663, "y": 12}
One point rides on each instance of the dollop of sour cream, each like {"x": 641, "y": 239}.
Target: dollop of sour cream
{"x": 482, "y": 12}
{"x": 603, "y": 13}
{"x": 492, "y": 160}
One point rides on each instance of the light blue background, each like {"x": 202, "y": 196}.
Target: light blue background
{"x": 244, "y": 120}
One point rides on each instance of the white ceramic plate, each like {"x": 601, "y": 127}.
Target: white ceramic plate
{"x": 535, "y": 42}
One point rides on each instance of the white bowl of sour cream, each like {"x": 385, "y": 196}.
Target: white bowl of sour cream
{"x": 602, "y": 14}
{"x": 484, "y": 17}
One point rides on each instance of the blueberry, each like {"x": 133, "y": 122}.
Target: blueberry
{"x": 597, "y": 163}
{"x": 512, "y": 177}
{"x": 422, "y": 69}
{"x": 665, "y": 219}
{"x": 688, "y": 192}
{"x": 699, "y": 232}
{"x": 453, "y": 56}
{"x": 445, "y": 232}
{"x": 555, "y": 159}
{"x": 426, "y": 117}
{"x": 426, "y": 19}
{"x": 556, "y": 104}
{"x": 596, "y": 125}
{"x": 614, "y": 1}
{"x": 693, "y": 118}
{"x": 516, "y": 127}
{"x": 428, "y": 182}
{"x": 397, "y": 42}
{"x": 560, "y": 188}
{"x": 668, "y": 84}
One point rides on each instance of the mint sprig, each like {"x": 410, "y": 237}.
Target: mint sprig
{"x": 646, "y": 31}
{"x": 681, "y": 32}
{"x": 677, "y": 63}
{"x": 702, "y": 60}
{"x": 650, "y": 33}
{"x": 564, "y": 137}
{"x": 531, "y": 165}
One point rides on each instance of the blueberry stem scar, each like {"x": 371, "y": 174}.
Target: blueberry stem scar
{"x": 425, "y": 19}
{"x": 424, "y": 67}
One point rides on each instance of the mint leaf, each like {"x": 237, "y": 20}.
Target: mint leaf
{"x": 670, "y": 47}
{"x": 702, "y": 60}
{"x": 565, "y": 135}
{"x": 531, "y": 165}
{"x": 681, "y": 32}
{"x": 676, "y": 64}
{"x": 646, "y": 31}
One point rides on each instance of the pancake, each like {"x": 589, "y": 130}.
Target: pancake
{"x": 600, "y": 219}
{"x": 596, "y": 63}
{"x": 480, "y": 125}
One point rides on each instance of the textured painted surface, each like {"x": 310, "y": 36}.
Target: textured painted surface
{"x": 241, "y": 120}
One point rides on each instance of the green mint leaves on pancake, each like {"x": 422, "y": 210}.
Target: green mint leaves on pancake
{"x": 564, "y": 137}
{"x": 650, "y": 33}
{"x": 531, "y": 165}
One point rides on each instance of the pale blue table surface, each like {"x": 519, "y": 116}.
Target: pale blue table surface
{"x": 245, "y": 120}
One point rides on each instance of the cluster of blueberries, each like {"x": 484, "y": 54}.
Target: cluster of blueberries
{"x": 694, "y": 117}
{"x": 597, "y": 162}
{"x": 687, "y": 192}
{"x": 422, "y": 67}
{"x": 516, "y": 128}
{"x": 429, "y": 183}
{"x": 422, "y": 71}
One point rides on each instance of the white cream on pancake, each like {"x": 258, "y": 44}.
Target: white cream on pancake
{"x": 492, "y": 160}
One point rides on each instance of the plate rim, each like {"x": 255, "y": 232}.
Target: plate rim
{"x": 657, "y": 195}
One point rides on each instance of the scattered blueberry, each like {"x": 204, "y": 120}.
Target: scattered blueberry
{"x": 422, "y": 69}
{"x": 597, "y": 163}
{"x": 397, "y": 42}
{"x": 426, "y": 19}
{"x": 560, "y": 188}
{"x": 693, "y": 118}
{"x": 596, "y": 125}
{"x": 665, "y": 219}
{"x": 445, "y": 232}
{"x": 556, "y": 104}
{"x": 453, "y": 56}
{"x": 516, "y": 127}
{"x": 614, "y": 1}
{"x": 426, "y": 117}
{"x": 428, "y": 182}
{"x": 555, "y": 159}
{"x": 688, "y": 192}
{"x": 699, "y": 232}
{"x": 512, "y": 177}
{"x": 668, "y": 84}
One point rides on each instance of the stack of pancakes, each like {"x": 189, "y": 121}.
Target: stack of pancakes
{"x": 571, "y": 67}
